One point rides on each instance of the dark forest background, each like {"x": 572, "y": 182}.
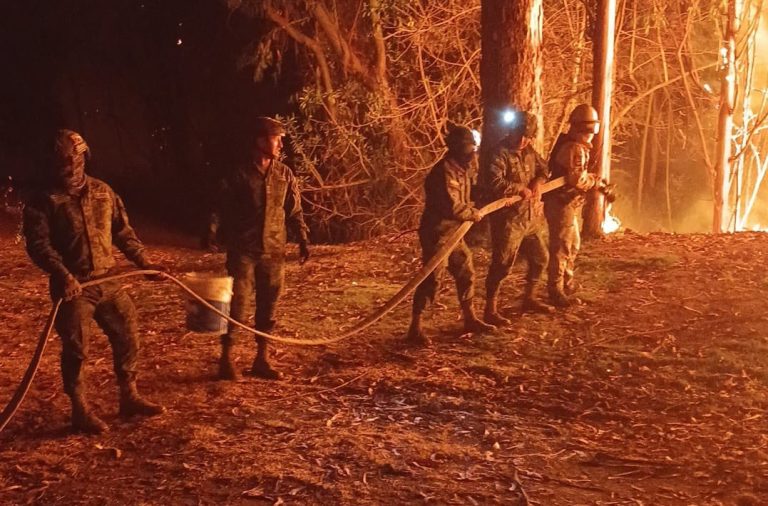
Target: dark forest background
{"x": 153, "y": 86}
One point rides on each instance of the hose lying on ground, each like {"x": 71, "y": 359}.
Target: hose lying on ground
{"x": 388, "y": 306}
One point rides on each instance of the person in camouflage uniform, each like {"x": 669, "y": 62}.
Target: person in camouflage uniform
{"x": 562, "y": 207}
{"x": 69, "y": 230}
{"x": 447, "y": 204}
{"x": 516, "y": 169}
{"x": 253, "y": 207}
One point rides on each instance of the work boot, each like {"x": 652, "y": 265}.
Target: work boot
{"x": 492, "y": 315}
{"x": 227, "y": 371}
{"x": 558, "y": 299}
{"x": 83, "y": 419}
{"x": 531, "y": 302}
{"x": 471, "y": 322}
{"x": 131, "y": 403}
{"x": 261, "y": 368}
{"x": 415, "y": 335}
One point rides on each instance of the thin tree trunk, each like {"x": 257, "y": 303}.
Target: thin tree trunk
{"x": 725, "y": 124}
{"x": 594, "y": 212}
{"x": 668, "y": 154}
{"x": 643, "y": 151}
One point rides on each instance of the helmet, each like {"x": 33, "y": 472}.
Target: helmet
{"x": 69, "y": 141}
{"x": 266, "y": 126}
{"x": 522, "y": 123}
{"x": 583, "y": 113}
{"x": 461, "y": 139}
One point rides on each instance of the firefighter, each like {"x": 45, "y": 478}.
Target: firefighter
{"x": 516, "y": 169}
{"x": 70, "y": 228}
{"x": 253, "y": 207}
{"x": 570, "y": 159}
{"x": 447, "y": 204}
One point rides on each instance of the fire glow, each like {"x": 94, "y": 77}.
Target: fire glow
{"x": 611, "y": 223}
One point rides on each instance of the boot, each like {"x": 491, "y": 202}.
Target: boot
{"x": 83, "y": 419}
{"x": 492, "y": 315}
{"x": 131, "y": 403}
{"x": 227, "y": 371}
{"x": 415, "y": 335}
{"x": 558, "y": 299}
{"x": 471, "y": 322}
{"x": 531, "y": 302}
{"x": 261, "y": 368}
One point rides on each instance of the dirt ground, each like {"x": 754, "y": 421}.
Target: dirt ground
{"x": 653, "y": 391}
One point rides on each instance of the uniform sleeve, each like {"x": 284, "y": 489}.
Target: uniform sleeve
{"x": 498, "y": 182}
{"x": 294, "y": 216}
{"x": 37, "y": 236}
{"x": 576, "y": 158}
{"x": 123, "y": 235}
{"x": 460, "y": 208}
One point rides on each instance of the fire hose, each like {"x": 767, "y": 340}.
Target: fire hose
{"x": 449, "y": 245}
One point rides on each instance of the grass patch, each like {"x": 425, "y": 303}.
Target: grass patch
{"x": 659, "y": 262}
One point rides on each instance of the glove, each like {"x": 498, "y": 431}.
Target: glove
{"x": 303, "y": 252}
{"x": 72, "y": 288}
{"x": 608, "y": 190}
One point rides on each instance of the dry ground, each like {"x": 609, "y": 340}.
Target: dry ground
{"x": 653, "y": 391}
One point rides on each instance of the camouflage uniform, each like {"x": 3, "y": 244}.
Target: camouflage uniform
{"x": 521, "y": 225}
{"x": 74, "y": 234}
{"x": 447, "y": 204}
{"x": 253, "y": 209}
{"x": 562, "y": 207}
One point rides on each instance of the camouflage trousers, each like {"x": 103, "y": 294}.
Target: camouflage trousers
{"x": 564, "y": 243}
{"x": 259, "y": 279}
{"x": 512, "y": 237}
{"x": 459, "y": 264}
{"x": 113, "y": 310}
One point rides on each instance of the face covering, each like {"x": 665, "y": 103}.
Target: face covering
{"x": 70, "y": 162}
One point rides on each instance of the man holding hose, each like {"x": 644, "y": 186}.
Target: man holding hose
{"x": 70, "y": 228}
{"x": 447, "y": 204}
{"x": 516, "y": 169}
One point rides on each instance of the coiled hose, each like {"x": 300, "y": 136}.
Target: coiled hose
{"x": 421, "y": 275}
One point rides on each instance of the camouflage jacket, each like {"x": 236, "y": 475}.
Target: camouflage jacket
{"x": 73, "y": 234}
{"x": 252, "y": 210}
{"x": 447, "y": 196}
{"x": 570, "y": 159}
{"x": 509, "y": 172}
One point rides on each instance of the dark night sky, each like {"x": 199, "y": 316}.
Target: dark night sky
{"x": 152, "y": 85}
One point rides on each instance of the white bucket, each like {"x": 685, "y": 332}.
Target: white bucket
{"x": 217, "y": 291}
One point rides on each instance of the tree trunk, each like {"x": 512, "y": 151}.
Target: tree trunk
{"x": 510, "y": 68}
{"x": 602, "y": 88}
{"x": 725, "y": 123}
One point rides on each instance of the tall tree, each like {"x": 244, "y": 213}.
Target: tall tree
{"x": 511, "y": 64}
{"x": 725, "y": 121}
{"x": 602, "y": 91}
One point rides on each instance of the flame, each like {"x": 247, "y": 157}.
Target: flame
{"x": 611, "y": 223}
